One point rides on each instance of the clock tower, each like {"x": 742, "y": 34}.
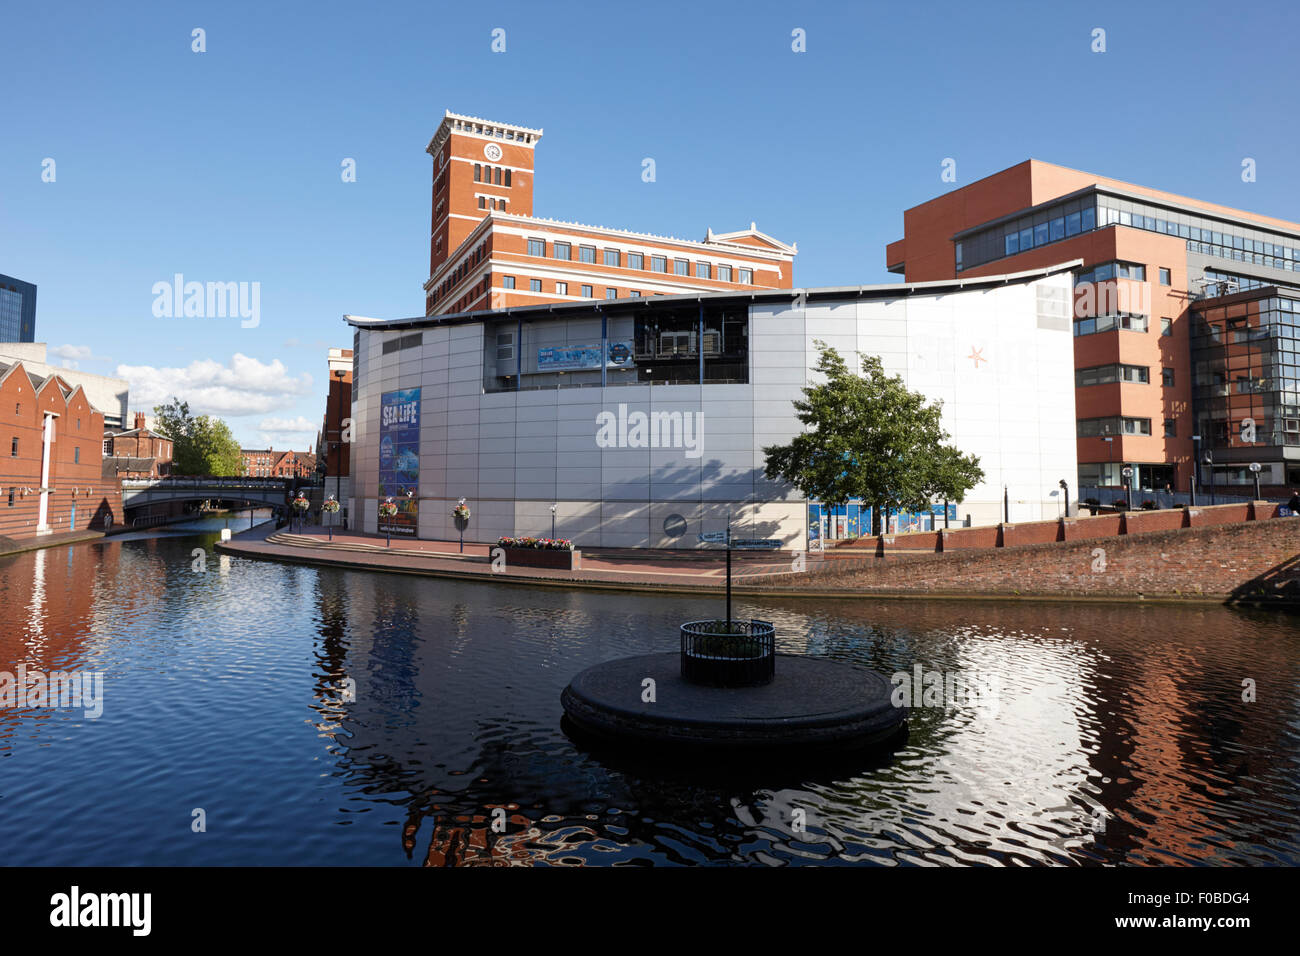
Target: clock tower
{"x": 479, "y": 167}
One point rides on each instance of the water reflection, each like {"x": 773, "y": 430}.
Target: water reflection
{"x": 320, "y": 716}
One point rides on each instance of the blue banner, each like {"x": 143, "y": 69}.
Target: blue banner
{"x": 399, "y": 459}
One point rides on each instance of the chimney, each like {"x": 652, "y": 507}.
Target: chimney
{"x": 139, "y": 419}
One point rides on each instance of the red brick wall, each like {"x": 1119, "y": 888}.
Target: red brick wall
{"x": 1208, "y": 559}
{"x": 76, "y": 483}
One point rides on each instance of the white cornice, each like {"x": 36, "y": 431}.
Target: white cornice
{"x": 449, "y": 120}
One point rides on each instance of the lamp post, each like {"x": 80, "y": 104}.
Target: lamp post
{"x": 331, "y": 508}
{"x": 1254, "y": 470}
{"x": 388, "y": 508}
{"x": 1065, "y": 487}
{"x": 1196, "y": 456}
{"x": 1127, "y": 472}
{"x": 461, "y": 514}
{"x": 553, "y": 522}
{"x": 1209, "y": 468}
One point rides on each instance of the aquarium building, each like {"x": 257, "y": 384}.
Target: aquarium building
{"x": 642, "y": 422}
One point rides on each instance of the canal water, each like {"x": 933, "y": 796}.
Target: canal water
{"x": 258, "y": 713}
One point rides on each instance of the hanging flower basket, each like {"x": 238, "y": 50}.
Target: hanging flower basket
{"x": 301, "y": 503}
{"x": 387, "y": 509}
{"x": 331, "y": 507}
{"x": 460, "y": 512}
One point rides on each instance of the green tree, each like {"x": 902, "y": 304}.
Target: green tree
{"x": 868, "y": 437}
{"x": 201, "y": 445}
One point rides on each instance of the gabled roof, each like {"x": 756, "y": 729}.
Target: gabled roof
{"x": 753, "y": 233}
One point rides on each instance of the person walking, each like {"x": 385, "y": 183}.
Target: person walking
{"x": 1294, "y": 504}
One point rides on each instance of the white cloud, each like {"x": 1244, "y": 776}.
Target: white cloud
{"x": 297, "y": 432}
{"x": 77, "y": 353}
{"x": 243, "y": 387}
{"x": 71, "y": 365}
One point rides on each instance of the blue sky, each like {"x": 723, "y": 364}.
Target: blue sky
{"x": 225, "y": 165}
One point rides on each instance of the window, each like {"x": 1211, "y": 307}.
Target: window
{"x": 635, "y": 293}
{"x": 507, "y": 282}
{"x": 746, "y": 276}
{"x": 478, "y": 172}
{"x": 13, "y": 448}
{"x": 703, "y": 270}
{"x": 497, "y": 175}
{"x": 535, "y": 285}
{"x": 11, "y": 497}
{"x": 507, "y": 177}
{"x": 1164, "y": 277}
{"x": 635, "y": 260}
{"x": 482, "y": 202}
{"x": 561, "y": 288}
{"x": 658, "y": 264}
{"x": 586, "y": 253}
{"x": 1127, "y": 321}
{"x": 1167, "y": 377}
{"x": 76, "y": 454}
{"x": 1100, "y": 427}
{"x": 586, "y": 292}
{"x": 108, "y": 447}
{"x": 561, "y": 250}
{"x": 1171, "y": 428}
{"x": 537, "y": 247}
{"x": 1110, "y": 374}
{"x": 1166, "y": 327}
{"x": 681, "y": 267}
{"x": 724, "y": 273}
{"x": 611, "y": 293}
{"x": 612, "y": 257}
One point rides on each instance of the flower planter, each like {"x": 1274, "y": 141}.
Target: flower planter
{"x": 542, "y": 558}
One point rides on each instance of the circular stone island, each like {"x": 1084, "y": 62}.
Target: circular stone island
{"x": 684, "y": 701}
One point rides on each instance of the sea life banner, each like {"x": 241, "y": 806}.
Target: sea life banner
{"x": 399, "y": 459}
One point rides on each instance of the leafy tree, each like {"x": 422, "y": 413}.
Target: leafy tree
{"x": 868, "y": 437}
{"x": 200, "y": 445}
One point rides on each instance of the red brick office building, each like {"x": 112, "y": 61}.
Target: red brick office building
{"x": 50, "y": 458}
{"x": 487, "y": 250}
{"x": 1150, "y": 392}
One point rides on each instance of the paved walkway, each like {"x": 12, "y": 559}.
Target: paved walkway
{"x": 635, "y": 569}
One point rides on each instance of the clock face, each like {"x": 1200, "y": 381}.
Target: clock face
{"x": 492, "y": 151}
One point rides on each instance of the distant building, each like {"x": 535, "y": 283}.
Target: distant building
{"x": 50, "y": 459}
{"x": 333, "y": 448}
{"x": 17, "y": 310}
{"x": 268, "y": 463}
{"x": 136, "y": 452}
{"x": 108, "y": 395}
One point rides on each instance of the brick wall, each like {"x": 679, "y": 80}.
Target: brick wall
{"x": 1216, "y": 556}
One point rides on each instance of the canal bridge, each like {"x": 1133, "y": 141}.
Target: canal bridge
{"x": 266, "y": 492}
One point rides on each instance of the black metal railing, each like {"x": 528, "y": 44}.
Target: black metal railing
{"x": 742, "y": 654}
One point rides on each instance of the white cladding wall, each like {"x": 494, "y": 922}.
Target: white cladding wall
{"x": 1007, "y": 387}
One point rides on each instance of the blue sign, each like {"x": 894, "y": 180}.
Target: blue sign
{"x": 399, "y": 459}
{"x": 568, "y": 358}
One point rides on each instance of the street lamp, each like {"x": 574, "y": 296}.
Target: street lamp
{"x": 461, "y": 514}
{"x": 1065, "y": 487}
{"x": 388, "y": 508}
{"x": 553, "y": 521}
{"x": 1209, "y": 468}
{"x": 1196, "y": 457}
{"x": 1254, "y": 468}
{"x": 331, "y": 508}
{"x": 1127, "y": 472}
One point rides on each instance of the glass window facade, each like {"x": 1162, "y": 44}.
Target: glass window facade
{"x": 1246, "y": 371}
{"x": 17, "y": 310}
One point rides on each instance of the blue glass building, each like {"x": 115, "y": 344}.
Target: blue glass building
{"x": 17, "y": 310}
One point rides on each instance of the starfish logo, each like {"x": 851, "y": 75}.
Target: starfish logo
{"x": 977, "y": 356}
